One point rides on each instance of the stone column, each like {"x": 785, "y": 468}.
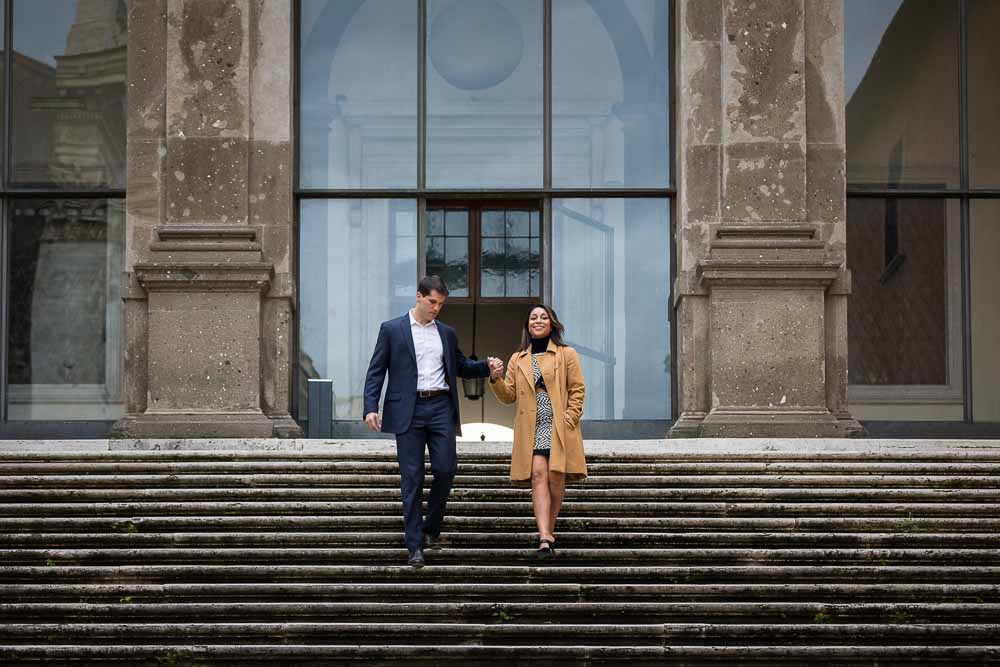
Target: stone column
{"x": 209, "y": 290}
{"x": 762, "y": 285}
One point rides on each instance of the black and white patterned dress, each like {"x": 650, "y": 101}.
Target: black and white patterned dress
{"x": 543, "y": 412}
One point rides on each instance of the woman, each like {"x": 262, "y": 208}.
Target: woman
{"x": 544, "y": 378}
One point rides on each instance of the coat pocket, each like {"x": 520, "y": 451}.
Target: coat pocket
{"x": 394, "y": 396}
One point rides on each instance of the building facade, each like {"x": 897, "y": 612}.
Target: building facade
{"x": 766, "y": 218}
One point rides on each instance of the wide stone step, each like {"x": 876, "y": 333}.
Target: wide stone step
{"x": 525, "y": 571}
{"x": 463, "y": 524}
{"x": 492, "y": 540}
{"x": 499, "y": 592}
{"x": 491, "y": 654}
{"x": 510, "y": 634}
{"x": 989, "y": 499}
{"x": 501, "y": 468}
{"x": 498, "y": 482}
{"x": 608, "y": 557}
{"x": 520, "y": 507}
{"x": 512, "y": 611}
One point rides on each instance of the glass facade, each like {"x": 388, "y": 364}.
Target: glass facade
{"x": 610, "y": 95}
{"x": 359, "y": 259}
{"x": 475, "y": 134}
{"x": 611, "y": 288}
{"x": 922, "y": 209}
{"x": 63, "y": 207}
{"x": 358, "y": 101}
{"x": 484, "y": 94}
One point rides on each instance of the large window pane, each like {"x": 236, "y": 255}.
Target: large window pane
{"x": 65, "y": 342}
{"x": 611, "y": 289}
{"x": 610, "y": 82}
{"x": 358, "y": 268}
{"x": 447, "y": 249}
{"x": 510, "y": 260}
{"x": 904, "y": 309}
{"x": 902, "y": 93}
{"x": 985, "y": 312}
{"x": 358, "y": 94}
{"x": 69, "y": 93}
{"x": 484, "y": 94}
{"x": 984, "y": 93}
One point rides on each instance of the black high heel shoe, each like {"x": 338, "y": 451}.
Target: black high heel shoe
{"x": 546, "y": 549}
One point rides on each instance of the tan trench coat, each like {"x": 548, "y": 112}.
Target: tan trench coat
{"x": 560, "y": 368}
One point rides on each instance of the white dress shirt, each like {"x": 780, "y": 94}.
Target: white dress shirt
{"x": 430, "y": 355}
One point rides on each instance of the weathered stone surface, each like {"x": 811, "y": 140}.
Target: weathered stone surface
{"x": 209, "y": 68}
{"x": 767, "y": 347}
{"x": 206, "y": 180}
{"x": 271, "y": 58}
{"x": 824, "y": 59}
{"x": 147, "y": 69}
{"x": 762, "y": 65}
{"x": 764, "y": 181}
{"x": 702, "y": 20}
{"x": 215, "y": 365}
{"x": 144, "y": 203}
{"x": 836, "y": 354}
{"x": 701, "y": 93}
{"x": 135, "y": 360}
{"x": 692, "y": 362}
{"x": 703, "y": 168}
{"x": 826, "y": 184}
{"x": 276, "y": 353}
{"x": 270, "y": 187}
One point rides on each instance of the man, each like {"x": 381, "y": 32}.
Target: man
{"x": 422, "y": 358}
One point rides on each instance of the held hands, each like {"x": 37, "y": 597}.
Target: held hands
{"x": 496, "y": 368}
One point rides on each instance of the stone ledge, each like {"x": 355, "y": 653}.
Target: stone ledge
{"x": 793, "y": 447}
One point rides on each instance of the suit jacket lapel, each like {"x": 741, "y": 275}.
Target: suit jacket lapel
{"x": 446, "y": 352}
{"x": 404, "y": 323}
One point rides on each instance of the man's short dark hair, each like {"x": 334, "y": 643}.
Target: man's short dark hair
{"x": 428, "y": 284}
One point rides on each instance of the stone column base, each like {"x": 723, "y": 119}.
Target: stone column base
{"x": 216, "y": 425}
{"x": 766, "y": 423}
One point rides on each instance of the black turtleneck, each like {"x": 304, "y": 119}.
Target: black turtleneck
{"x": 539, "y": 345}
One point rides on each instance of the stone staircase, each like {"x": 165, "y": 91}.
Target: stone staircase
{"x": 693, "y": 554}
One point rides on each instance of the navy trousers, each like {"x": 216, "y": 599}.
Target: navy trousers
{"x": 432, "y": 428}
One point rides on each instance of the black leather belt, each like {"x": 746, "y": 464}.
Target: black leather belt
{"x": 431, "y": 393}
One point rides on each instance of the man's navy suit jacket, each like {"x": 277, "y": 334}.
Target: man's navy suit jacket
{"x": 395, "y": 354}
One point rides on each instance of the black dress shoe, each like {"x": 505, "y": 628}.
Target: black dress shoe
{"x": 432, "y": 542}
{"x": 416, "y": 559}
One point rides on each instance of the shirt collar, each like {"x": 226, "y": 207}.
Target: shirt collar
{"x": 413, "y": 321}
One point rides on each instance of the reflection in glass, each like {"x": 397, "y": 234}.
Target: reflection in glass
{"x": 984, "y": 250}
{"x": 611, "y": 289}
{"x": 510, "y": 261}
{"x": 358, "y": 94}
{"x": 65, "y": 320}
{"x": 901, "y": 71}
{"x": 902, "y": 290}
{"x": 610, "y": 87}
{"x": 358, "y": 268}
{"x": 69, "y": 93}
{"x": 484, "y": 94}
{"x": 982, "y": 19}
{"x": 447, "y": 248}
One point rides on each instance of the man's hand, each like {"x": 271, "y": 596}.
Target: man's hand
{"x": 374, "y": 423}
{"x": 496, "y": 368}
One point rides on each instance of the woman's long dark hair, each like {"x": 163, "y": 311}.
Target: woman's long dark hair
{"x": 555, "y": 335}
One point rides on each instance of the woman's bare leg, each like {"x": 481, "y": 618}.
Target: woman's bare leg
{"x": 541, "y": 502}
{"x": 557, "y": 491}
